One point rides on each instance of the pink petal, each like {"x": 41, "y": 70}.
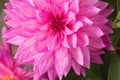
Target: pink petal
{"x": 77, "y": 55}
{"x": 65, "y": 7}
{"x": 82, "y": 71}
{"x": 67, "y": 31}
{"x": 61, "y": 61}
{"x": 40, "y": 46}
{"x": 96, "y": 59}
{"x": 13, "y": 22}
{"x": 8, "y": 5}
{"x": 65, "y": 42}
{"x": 30, "y": 25}
{"x": 88, "y": 2}
{"x": 76, "y": 67}
{"x": 97, "y": 43}
{"x": 94, "y": 31}
{"x": 28, "y": 11}
{"x": 4, "y": 70}
{"x": 76, "y": 26}
{"x": 43, "y": 63}
{"x": 26, "y": 51}
{"x": 89, "y": 9}
{"x": 107, "y": 12}
{"x": 52, "y": 74}
{"x": 106, "y": 29}
{"x": 45, "y": 27}
{"x": 72, "y": 40}
{"x": 17, "y": 40}
{"x": 86, "y": 21}
{"x": 99, "y": 20}
{"x": 86, "y": 57}
{"x": 83, "y": 39}
{"x": 74, "y": 6}
{"x": 102, "y": 5}
{"x": 55, "y": 41}
{"x": 70, "y": 18}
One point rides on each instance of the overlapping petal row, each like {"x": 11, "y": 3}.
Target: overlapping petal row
{"x": 9, "y": 68}
{"x": 57, "y": 35}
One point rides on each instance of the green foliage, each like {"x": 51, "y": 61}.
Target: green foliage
{"x": 114, "y": 70}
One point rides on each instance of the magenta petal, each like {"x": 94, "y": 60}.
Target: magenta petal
{"x": 72, "y": 40}
{"x": 97, "y": 20}
{"x": 22, "y": 54}
{"x": 88, "y": 2}
{"x": 61, "y": 55}
{"x": 83, "y": 39}
{"x": 4, "y": 70}
{"x": 94, "y": 31}
{"x": 74, "y": 6}
{"x": 52, "y": 74}
{"x": 86, "y": 57}
{"x": 77, "y": 55}
{"x": 86, "y": 21}
{"x": 16, "y": 40}
{"x": 76, "y": 26}
{"x": 107, "y": 12}
{"x": 97, "y": 43}
{"x": 67, "y": 31}
{"x": 43, "y": 63}
{"x": 96, "y": 59}
{"x": 89, "y": 9}
{"x": 76, "y": 67}
{"x": 70, "y": 18}
{"x": 30, "y": 25}
{"x": 65, "y": 42}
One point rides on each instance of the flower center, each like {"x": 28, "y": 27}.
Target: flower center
{"x": 8, "y": 78}
{"x": 58, "y": 24}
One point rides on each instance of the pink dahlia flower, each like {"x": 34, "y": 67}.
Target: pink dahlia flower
{"x": 9, "y": 69}
{"x": 57, "y": 35}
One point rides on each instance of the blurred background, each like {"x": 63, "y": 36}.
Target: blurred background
{"x": 110, "y": 70}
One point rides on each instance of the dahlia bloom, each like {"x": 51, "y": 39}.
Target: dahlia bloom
{"x": 9, "y": 69}
{"x": 57, "y": 35}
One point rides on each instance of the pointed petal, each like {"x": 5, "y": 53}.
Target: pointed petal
{"x": 77, "y": 55}
{"x": 76, "y": 67}
{"x": 65, "y": 42}
{"x": 86, "y": 57}
{"x": 52, "y": 74}
{"x": 72, "y": 40}
{"x": 17, "y": 40}
{"x": 89, "y": 9}
{"x": 30, "y": 25}
{"x": 83, "y": 39}
{"x": 88, "y": 2}
{"x": 99, "y": 20}
{"x": 97, "y": 43}
{"x": 67, "y": 31}
{"x": 76, "y": 26}
{"x": 61, "y": 61}
{"x": 26, "y": 52}
{"x": 74, "y": 6}
{"x": 43, "y": 62}
{"x": 94, "y": 31}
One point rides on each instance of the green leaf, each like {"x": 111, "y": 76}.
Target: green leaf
{"x": 114, "y": 70}
{"x": 118, "y": 5}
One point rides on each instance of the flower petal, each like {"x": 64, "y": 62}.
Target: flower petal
{"x": 30, "y": 25}
{"x": 83, "y": 39}
{"x": 43, "y": 63}
{"x": 93, "y": 31}
{"x": 77, "y": 55}
{"x": 74, "y": 6}
{"x": 61, "y": 61}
